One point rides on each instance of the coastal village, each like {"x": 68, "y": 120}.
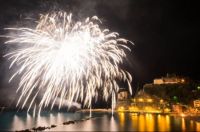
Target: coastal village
{"x": 163, "y": 96}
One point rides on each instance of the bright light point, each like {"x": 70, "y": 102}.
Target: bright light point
{"x": 161, "y": 101}
{"x": 150, "y": 100}
{"x": 141, "y": 100}
{"x": 182, "y": 115}
{"x": 121, "y": 108}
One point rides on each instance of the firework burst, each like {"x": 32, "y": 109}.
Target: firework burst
{"x": 68, "y": 60}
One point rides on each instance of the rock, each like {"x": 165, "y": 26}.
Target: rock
{"x": 40, "y": 128}
{"x": 68, "y": 122}
{"x": 52, "y": 126}
{"x": 65, "y": 123}
{"x": 34, "y": 129}
{"x": 71, "y": 122}
{"x": 87, "y": 118}
{"x": 26, "y": 130}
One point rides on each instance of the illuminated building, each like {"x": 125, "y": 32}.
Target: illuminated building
{"x": 148, "y": 103}
{"x": 122, "y": 95}
{"x": 123, "y": 102}
{"x": 177, "y": 108}
{"x": 142, "y": 102}
{"x": 169, "y": 80}
{"x": 196, "y": 103}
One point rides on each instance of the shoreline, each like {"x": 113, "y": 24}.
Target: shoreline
{"x": 195, "y": 118}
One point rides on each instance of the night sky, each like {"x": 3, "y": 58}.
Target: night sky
{"x": 165, "y": 33}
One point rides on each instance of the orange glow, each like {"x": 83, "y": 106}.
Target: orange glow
{"x": 121, "y": 108}
{"x": 134, "y": 118}
{"x": 133, "y": 108}
{"x": 163, "y": 123}
{"x": 151, "y": 122}
{"x": 182, "y": 114}
{"x": 197, "y": 126}
{"x": 141, "y": 123}
{"x": 167, "y": 122}
{"x": 183, "y": 124}
{"x": 191, "y": 124}
{"x": 167, "y": 110}
{"x": 149, "y": 100}
{"x": 133, "y": 100}
{"x": 141, "y": 100}
{"x": 122, "y": 119}
{"x": 151, "y": 109}
{"x": 161, "y": 101}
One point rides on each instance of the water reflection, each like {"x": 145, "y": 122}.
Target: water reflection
{"x": 150, "y": 120}
{"x": 198, "y": 126}
{"x": 167, "y": 119}
{"x": 183, "y": 124}
{"x": 163, "y": 123}
{"x": 134, "y": 118}
{"x": 122, "y": 119}
{"x": 156, "y": 122}
{"x": 141, "y": 123}
{"x": 20, "y": 121}
{"x": 103, "y": 122}
{"x": 113, "y": 124}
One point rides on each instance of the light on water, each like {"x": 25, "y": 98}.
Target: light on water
{"x": 101, "y": 121}
{"x": 90, "y": 111}
{"x": 113, "y": 102}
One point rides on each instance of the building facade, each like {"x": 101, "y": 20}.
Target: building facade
{"x": 197, "y": 103}
{"x": 169, "y": 80}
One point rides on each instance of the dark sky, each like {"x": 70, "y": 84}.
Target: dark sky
{"x": 165, "y": 33}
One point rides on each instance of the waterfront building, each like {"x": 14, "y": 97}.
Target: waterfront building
{"x": 122, "y": 95}
{"x": 197, "y": 104}
{"x": 170, "y": 80}
{"x": 177, "y": 108}
{"x": 143, "y": 102}
{"x": 123, "y": 99}
{"x": 149, "y": 103}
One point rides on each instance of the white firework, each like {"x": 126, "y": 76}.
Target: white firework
{"x": 74, "y": 61}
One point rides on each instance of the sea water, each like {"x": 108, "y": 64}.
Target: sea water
{"x": 101, "y": 121}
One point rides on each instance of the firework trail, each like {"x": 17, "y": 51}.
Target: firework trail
{"x": 67, "y": 59}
